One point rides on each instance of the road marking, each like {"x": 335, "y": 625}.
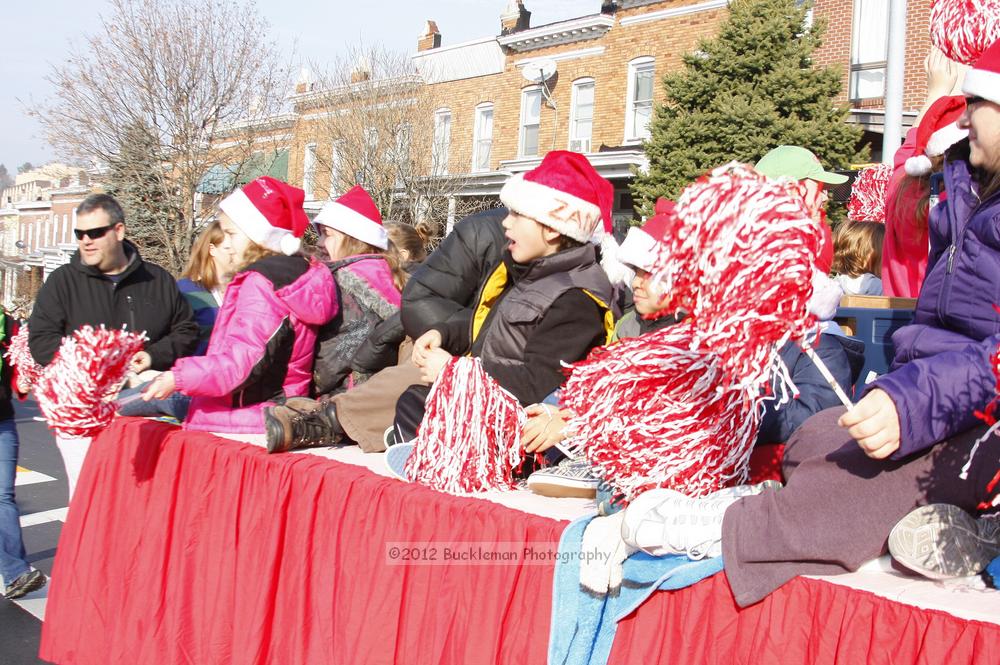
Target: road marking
{"x": 28, "y": 477}
{"x": 54, "y": 515}
{"x": 34, "y": 602}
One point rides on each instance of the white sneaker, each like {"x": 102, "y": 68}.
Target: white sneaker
{"x": 664, "y": 521}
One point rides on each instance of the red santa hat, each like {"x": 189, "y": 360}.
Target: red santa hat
{"x": 642, "y": 244}
{"x": 355, "y": 214}
{"x": 938, "y": 132}
{"x": 564, "y": 193}
{"x": 270, "y": 212}
{"x": 983, "y": 80}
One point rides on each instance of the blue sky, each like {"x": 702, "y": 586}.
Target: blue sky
{"x": 40, "y": 32}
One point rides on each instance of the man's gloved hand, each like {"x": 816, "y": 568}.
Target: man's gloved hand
{"x": 603, "y": 553}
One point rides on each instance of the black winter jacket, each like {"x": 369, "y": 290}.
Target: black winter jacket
{"x": 145, "y": 298}
{"x": 442, "y": 293}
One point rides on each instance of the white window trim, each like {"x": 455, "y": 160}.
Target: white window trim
{"x": 631, "y": 137}
{"x": 439, "y": 161}
{"x": 336, "y": 164}
{"x": 856, "y": 67}
{"x": 309, "y": 172}
{"x": 577, "y": 84}
{"x": 520, "y": 123}
{"x": 476, "y": 138}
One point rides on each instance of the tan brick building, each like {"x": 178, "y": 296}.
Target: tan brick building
{"x": 596, "y": 80}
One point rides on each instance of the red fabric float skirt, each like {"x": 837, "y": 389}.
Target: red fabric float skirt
{"x": 181, "y": 547}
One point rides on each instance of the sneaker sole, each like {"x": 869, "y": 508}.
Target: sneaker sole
{"x": 395, "y": 460}
{"x": 941, "y": 541}
{"x": 563, "y": 491}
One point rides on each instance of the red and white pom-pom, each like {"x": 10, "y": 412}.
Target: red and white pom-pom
{"x": 649, "y": 412}
{"x": 76, "y": 388}
{"x": 963, "y": 29}
{"x": 21, "y": 359}
{"x": 867, "y": 202}
{"x": 739, "y": 260}
{"x": 680, "y": 407}
{"x": 470, "y": 437}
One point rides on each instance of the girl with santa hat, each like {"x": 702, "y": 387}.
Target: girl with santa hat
{"x": 261, "y": 348}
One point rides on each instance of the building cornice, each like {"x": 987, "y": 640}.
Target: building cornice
{"x": 556, "y": 34}
{"x": 568, "y": 55}
{"x": 610, "y": 164}
{"x": 673, "y": 12}
{"x": 327, "y": 95}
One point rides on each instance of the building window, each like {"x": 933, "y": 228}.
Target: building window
{"x": 482, "y": 139}
{"x": 639, "y": 103}
{"x": 531, "y": 118}
{"x": 869, "y": 48}
{"x": 309, "y": 172}
{"x": 442, "y": 141}
{"x": 581, "y": 115}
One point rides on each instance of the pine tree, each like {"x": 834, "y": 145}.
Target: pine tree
{"x": 750, "y": 89}
{"x": 136, "y": 180}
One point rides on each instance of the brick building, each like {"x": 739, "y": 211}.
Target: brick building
{"x": 588, "y": 83}
{"x": 36, "y": 223}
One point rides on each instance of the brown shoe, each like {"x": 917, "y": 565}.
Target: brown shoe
{"x": 300, "y": 423}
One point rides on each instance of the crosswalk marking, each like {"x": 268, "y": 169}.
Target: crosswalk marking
{"x": 54, "y": 515}
{"x": 29, "y": 477}
{"x": 34, "y": 602}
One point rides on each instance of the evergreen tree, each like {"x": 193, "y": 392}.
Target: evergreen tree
{"x": 5, "y": 179}
{"x": 136, "y": 180}
{"x": 24, "y": 168}
{"x": 750, "y": 89}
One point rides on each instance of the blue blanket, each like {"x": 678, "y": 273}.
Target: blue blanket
{"x": 583, "y": 626}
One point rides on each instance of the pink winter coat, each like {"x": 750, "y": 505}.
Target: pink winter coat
{"x": 261, "y": 346}
{"x": 904, "y": 250}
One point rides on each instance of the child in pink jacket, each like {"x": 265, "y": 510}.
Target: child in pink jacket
{"x": 261, "y": 348}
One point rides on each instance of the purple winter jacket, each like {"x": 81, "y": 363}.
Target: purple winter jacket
{"x": 941, "y": 373}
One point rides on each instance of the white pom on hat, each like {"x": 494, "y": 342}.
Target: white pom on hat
{"x": 290, "y": 245}
{"x": 918, "y": 165}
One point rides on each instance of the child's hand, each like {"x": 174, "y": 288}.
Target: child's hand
{"x": 161, "y": 387}
{"x": 543, "y": 429}
{"x": 423, "y": 346}
{"x": 942, "y": 73}
{"x": 874, "y": 424}
{"x": 435, "y": 361}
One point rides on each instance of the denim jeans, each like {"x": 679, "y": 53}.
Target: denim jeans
{"x": 175, "y": 405}
{"x": 12, "y": 563}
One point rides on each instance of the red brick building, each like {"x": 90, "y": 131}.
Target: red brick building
{"x": 596, "y": 82}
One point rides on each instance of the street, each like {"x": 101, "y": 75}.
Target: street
{"x": 41, "y": 497}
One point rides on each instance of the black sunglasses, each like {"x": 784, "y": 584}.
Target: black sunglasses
{"x": 93, "y": 234}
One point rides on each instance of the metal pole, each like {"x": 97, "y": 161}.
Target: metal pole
{"x": 896, "y": 59}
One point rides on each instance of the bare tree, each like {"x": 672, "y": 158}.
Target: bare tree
{"x": 370, "y": 118}
{"x": 170, "y": 74}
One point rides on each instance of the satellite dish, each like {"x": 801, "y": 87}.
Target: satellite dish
{"x": 539, "y": 70}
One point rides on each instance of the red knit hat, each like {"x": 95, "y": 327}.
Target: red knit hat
{"x": 642, "y": 244}
{"x": 565, "y": 193}
{"x": 937, "y": 132}
{"x": 355, "y": 214}
{"x": 983, "y": 80}
{"x": 270, "y": 212}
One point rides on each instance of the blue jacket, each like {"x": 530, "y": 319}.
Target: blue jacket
{"x": 941, "y": 372}
{"x": 205, "y": 309}
{"x": 843, "y": 356}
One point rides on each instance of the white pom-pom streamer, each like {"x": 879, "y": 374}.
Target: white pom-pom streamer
{"x": 76, "y": 388}
{"x": 963, "y": 29}
{"x": 867, "y": 202}
{"x": 20, "y": 357}
{"x": 470, "y": 438}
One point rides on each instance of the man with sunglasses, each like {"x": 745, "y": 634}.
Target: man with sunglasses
{"x": 107, "y": 282}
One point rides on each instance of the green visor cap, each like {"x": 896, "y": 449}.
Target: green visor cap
{"x": 797, "y": 163}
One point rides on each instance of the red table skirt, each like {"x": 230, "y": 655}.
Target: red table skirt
{"x": 184, "y": 548}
